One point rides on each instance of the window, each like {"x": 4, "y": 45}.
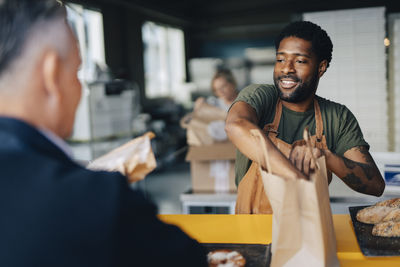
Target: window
{"x": 88, "y": 27}
{"x": 164, "y": 62}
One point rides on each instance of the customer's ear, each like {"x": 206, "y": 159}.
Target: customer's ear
{"x": 51, "y": 73}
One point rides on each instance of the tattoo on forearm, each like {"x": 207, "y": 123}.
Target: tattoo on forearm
{"x": 363, "y": 150}
{"x": 354, "y": 182}
{"x": 368, "y": 168}
{"x": 349, "y": 163}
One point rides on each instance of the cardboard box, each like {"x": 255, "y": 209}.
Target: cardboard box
{"x": 212, "y": 167}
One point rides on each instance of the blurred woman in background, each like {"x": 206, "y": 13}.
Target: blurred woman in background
{"x": 224, "y": 88}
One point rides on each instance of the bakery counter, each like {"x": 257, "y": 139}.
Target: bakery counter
{"x": 257, "y": 229}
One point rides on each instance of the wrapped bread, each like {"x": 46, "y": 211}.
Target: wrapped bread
{"x": 134, "y": 159}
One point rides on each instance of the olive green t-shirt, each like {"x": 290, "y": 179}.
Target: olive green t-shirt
{"x": 341, "y": 128}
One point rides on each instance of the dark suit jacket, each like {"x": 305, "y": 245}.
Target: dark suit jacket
{"x": 53, "y": 212}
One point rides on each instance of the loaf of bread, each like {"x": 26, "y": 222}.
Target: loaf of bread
{"x": 385, "y": 215}
{"x": 373, "y": 214}
{"x": 394, "y": 202}
{"x": 387, "y": 229}
{"x": 394, "y": 216}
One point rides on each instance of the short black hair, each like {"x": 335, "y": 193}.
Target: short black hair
{"x": 17, "y": 18}
{"x": 321, "y": 43}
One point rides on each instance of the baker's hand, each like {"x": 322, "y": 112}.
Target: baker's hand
{"x": 301, "y": 157}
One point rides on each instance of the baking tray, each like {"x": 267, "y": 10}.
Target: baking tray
{"x": 373, "y": 245}
{"x": 256, "y": 255}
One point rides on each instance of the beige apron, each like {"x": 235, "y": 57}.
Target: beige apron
{"x": 251, "y": 197}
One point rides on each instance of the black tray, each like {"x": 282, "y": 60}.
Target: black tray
{"x": 373, "y": 245}
{"x": 255, "y": 255}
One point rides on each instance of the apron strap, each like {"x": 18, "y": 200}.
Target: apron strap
{"x": 273, "y": 127}
{"x": 278, "y": 114}
{"x": 319, "y": 125}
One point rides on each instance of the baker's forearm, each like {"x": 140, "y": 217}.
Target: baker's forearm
{"x": 361, "y": 177}
{"x": 239, "y": 133}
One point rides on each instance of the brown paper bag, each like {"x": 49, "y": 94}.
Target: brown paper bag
{"x": 302, "y": 225}
{"x": 196, "y": 124}
{"x": 134, "y": 159}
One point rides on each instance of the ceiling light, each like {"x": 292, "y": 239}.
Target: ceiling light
{"x": 386, "y": 42}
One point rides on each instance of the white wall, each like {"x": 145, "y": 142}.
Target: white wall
{"x": 394, "y": 78}
{"x": 357, "y": 75}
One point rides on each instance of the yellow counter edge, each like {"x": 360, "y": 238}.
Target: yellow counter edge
{"x": 257, "y": 229}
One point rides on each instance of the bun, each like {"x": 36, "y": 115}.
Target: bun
{"x": 225, "y": 257}
{"x": 387, "y": 229}
{"x": 373, "y": 214}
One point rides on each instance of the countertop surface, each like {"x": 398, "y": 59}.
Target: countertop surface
{"x": 257, "y": 229}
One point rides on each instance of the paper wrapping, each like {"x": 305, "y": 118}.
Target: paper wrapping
{"x": 205, "y": 125}
{"x": 134, "y": 159}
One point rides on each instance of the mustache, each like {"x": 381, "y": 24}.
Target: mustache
{"x": 292, "y": 77}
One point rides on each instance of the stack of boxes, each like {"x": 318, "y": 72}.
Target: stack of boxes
{"x": 262, "y": 60}
{"x": 202, "y": 70}
{"x": 212, "y": 163}
{"x": 111, "y": 114}
{"x": 106, "y": 111}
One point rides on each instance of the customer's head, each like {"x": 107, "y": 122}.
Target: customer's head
{"x": 39, "y": 60}
{"x": 224, "y": 85}
{"x": 303, "y": 53}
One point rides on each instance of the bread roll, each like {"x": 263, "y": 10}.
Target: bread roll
{"x": 394, "y": 215}
{"x": 225, "y": 257}
{"x": 387, "y": 229}
{"x": 394, "y": 202}
{"x": 373, "y": 214}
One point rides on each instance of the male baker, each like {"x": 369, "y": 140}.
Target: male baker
{"x": 283, "y": 110}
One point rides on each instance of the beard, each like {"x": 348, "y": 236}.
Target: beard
{"x": 303, "y": 91}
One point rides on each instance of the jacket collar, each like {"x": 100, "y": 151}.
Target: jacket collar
{"x": 28, "y": 137}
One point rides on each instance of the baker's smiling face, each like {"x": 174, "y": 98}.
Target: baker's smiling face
{"x": 297, "y": 69}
